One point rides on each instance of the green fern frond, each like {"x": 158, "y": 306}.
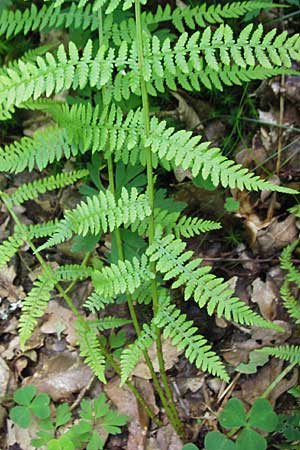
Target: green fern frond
{"x": 107, "y": 323}
{"x": 96, "y": 302}
{"x": 203, "y": 15}
{"x": 91, "y": 352}
{"x": 34, "y": 306}
{"x": 162, "y": 64}
{"x": 184, "y": 336}
{"x": 47, "y": 146}
{"x": 186, "y": 150}
{"x": 289, "y": 301}
{"x": 9, "y": 248}
{"x": 30, "y": 191}
{"x": 193, "y": 226}
{"x": 172, "y": 222}
{"x": 208, "y": 290}
{"x": 290, "y": 353}
{"x": 293, "y": 277}
{"x": 123, "y": 277}
{"x": 101, "y": 213}
{"x": 133, "y": 353}
{"x": 293, "y": 274}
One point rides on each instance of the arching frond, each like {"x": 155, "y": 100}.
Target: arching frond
{"x": 208, "y": 290}
{"x": 290, "y": 353}
{"x": 101, "y": 213}
{"x": 96, "y": 302}
{"x": 107, "y": 323}
{"x": 185, "y": 337}
{"x": 90, "y": 350}
{"x": 163, "y": 64}
{"x": 30, "y": 191}
{"x": 123, "y": 277}
{"x": 9, "y": 248}
{"x": 291, "y": 304}
{"x": 133, "y": 353}
{"x": 35, "y": 304}
{"x": 47, "y": 146}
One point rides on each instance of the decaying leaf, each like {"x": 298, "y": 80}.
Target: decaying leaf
{"x": 263, "y": 293}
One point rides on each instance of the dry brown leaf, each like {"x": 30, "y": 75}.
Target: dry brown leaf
{"x": 170, "y": 353}
{"x": 7, "y": 288}
{"x": 252, "y": 388}
{"x": 19, "y": 438}
{"x": 264, "y": 295}
{"x": 60, "y": 319}
{"x": 166, "y": 439}
{"x": 276, "y": 236}
{"x": 60, "y": 376}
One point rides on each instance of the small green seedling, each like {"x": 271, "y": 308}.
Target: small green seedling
{"x": 94, "y": 415}
{"x": 231, "y": 205}
{"x": 261, "y": 417}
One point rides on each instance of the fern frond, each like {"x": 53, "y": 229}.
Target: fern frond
{"x": 47, "y": 146}
{"x": 96, "y": 302}
{"x": 184, "y": 336}
{"x": 184, "y": 63}
{"x": 101, "y": 213}
{"x": 133, "y": 353}
{"x": 186, "y": 150}
{"x": 34, "y": 306}
{"x": 203, "y": 15}
{"x": 289, "y": 302}
{"x": 208, "y": 290}
{"x": 293, "y": 276}
{"x": 9, "y": 248}
{"x": 90, "y": 350}
{"x": 192, "y": 226}
{"x": 290, "y": 353}
{"x": 30, "y": 191}
{"x": 123, "y": 277}
{"x": 107, "y": 323}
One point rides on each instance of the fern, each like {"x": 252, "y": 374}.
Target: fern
{"x": 293, "y": 277}
{"x": 290, "y": 353}
{"x": 133, "y": 353}
{"x": 184, "y": 336}
{"x": 107, "y": 323}
{"x": 47, "y": 146}
{"x": 124, "y": 277}
{"x": 32, "y": 190}
{"x": 91, "y": 351}
{"x": 163, "y": 63}
{"x": 10, "y": 247}
{"x": 101, "y": 213}
{"x": 208, "y": 290}
{"x": 35, "y": 304}
{"x": 96, "y": 302}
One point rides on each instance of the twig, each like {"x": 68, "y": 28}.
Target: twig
{"x": 82, "y": 393}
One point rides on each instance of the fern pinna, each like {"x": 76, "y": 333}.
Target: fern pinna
{"x": 124, "y": 60}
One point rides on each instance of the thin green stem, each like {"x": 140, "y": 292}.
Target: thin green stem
{"x": 120, "y": 250}
{"x": 277, "y": 380}
{"x": 174, "y": 418}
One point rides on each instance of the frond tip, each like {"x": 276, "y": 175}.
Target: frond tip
{"x": 184, "y": 336}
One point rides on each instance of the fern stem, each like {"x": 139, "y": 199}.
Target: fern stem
{"x": 130, "y": 303}
{"x": 48, "y": 270}
{"x": 277, "y": 380}
{"x": 174, "y": 418}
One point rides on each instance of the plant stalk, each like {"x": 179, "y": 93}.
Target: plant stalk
{"x": 174, "y": 419}
{"x": 120, "y": 250}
